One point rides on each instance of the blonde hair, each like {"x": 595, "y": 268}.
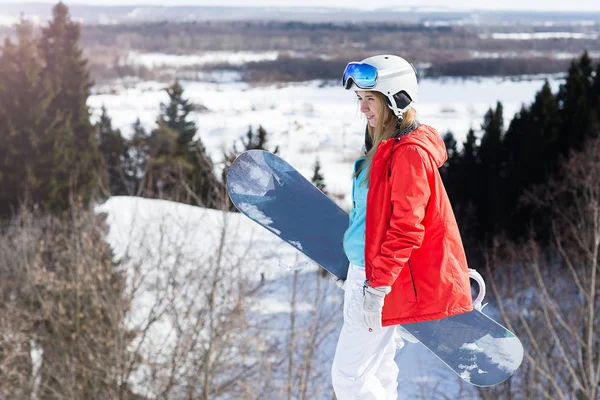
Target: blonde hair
{"x": 386, "y": 128}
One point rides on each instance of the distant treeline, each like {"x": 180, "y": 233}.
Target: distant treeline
{"x": 345, "y": 27}
{"x": 289, "y": 69}
{"x": 450, "y": 50}
{"x": 498, "y": 67}
{"x": 316, "y": 50}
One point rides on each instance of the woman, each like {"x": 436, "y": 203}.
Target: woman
{"x": 407, "y": 262}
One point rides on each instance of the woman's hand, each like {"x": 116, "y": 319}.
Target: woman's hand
{"x": 373, "y": 304}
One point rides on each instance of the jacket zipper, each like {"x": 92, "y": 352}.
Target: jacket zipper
{"x": 412, "y": 279}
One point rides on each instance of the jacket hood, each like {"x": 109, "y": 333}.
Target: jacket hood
{"x": 429, "y": 140}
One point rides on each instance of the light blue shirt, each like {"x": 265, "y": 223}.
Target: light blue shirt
{"x": 354, "y": 237}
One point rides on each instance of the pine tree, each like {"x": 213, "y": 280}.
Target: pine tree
{"x": 464, "y": 187}
{"x": 464, "y": 192}
{"x": 76, "y": 161}
{"x": 491, "y": 160}
{"x": 448, "y": 171}
{"x": 26, "y": 128}
{"x": 115, "y": 154}
{"x": 165, "y": 169}
{"x": 575, "y": 99}
{"x": 178, "y": 166}
{"x": 595, "y": 100}
{"x": 209, "y": 191}
{"x": 318, "y": 179}
{"x": 532, "y": 149}
{"x": 469, "y": 151}
{"x": 176, "y": 115}
{"x": 138, "y": 153}
{"x": 257, "y": 140}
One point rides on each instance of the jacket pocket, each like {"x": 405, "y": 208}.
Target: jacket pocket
{"x": 408, "y": 284}
{"x": 412, "y": 280}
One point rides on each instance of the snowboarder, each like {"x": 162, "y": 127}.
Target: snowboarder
{"x": 407, "y": 261}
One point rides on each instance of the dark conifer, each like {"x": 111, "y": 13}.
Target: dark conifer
{"x": 575, "y": 99}
{"x": 115, "y": 154}
{"x": 491, "y": 161}
{"x": 165, "y": 170}
{"x": 26, "y": 126}
{"x": 447, "y": 171}
{"x": 176, "y": 114}
{"x": 77, "y": 164}
{"x": 137, "y": 157}
{"x": 318, "y": 179}
{"x": 178, "y": 166}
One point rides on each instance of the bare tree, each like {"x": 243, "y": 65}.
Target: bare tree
{"x": 61, "y": 331}
{"x": 549, "y": 293}
{"x": 313, "y": 320}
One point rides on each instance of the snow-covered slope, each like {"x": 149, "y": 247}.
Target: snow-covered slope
{"x": 165, "y": 246}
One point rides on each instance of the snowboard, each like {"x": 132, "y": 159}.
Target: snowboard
{"x": 272, "y": 193}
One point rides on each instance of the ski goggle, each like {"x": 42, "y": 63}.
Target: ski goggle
{"x": 363, "y": 75}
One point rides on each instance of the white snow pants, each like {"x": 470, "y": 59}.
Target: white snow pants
{"x": 363, "y": 366}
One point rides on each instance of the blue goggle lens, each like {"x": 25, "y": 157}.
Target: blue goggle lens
{"x": 363, "y": 75}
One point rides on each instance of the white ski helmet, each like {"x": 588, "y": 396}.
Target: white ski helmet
{"x": 393, "y": 76}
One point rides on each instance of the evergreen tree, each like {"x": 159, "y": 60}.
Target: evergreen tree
{"x": 318, "y": 179}
{"x": 165, "y": 170}
{"x": 491, "y": 161}
{"x": 595, "y": 100}
{"x": 496, "y": 174}
{"x": 451, "y": 151}
{"x": 210, "y": 192}
{"x": 178, "y": 166}
{"x": 532, "y": 150}
{"x": 575, "y": 101}
{"x": 115, "y": 153}
{"x": 176, "y": 115}
{"x": 76, "y": 161}
{"x": 137, "y": 157}
{"x": 26, "y": 127}
{"x": 469, "y": 151}
{"x": 465, "y": 187}
{"x": 450, "y": 143}
{"x": 447, "y": 171}
{"x": 257, "y": 140}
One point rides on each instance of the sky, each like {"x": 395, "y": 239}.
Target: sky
{"x": 542, "y": 5}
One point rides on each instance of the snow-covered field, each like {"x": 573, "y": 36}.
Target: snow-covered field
{"x": 541, "y": 35}
{"x": 155, "y": 60}
{"x": 314, "y": 119}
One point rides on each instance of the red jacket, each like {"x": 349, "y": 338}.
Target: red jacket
{"x": 412, "y": 239}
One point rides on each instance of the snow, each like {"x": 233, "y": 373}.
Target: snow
{"x": 502, "y": 351}
{"x": 254, "y": 213}
{"x": 541, "y": 36}
{"x": 8, "y": 20}
{"x": 147, "y": 232}
{"x": 311, "y": 120}
{"x": 530, "y": 53}
{"x": 154, "y": 60}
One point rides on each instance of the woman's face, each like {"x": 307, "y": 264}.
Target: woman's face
{"x": 369, "y": 106}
